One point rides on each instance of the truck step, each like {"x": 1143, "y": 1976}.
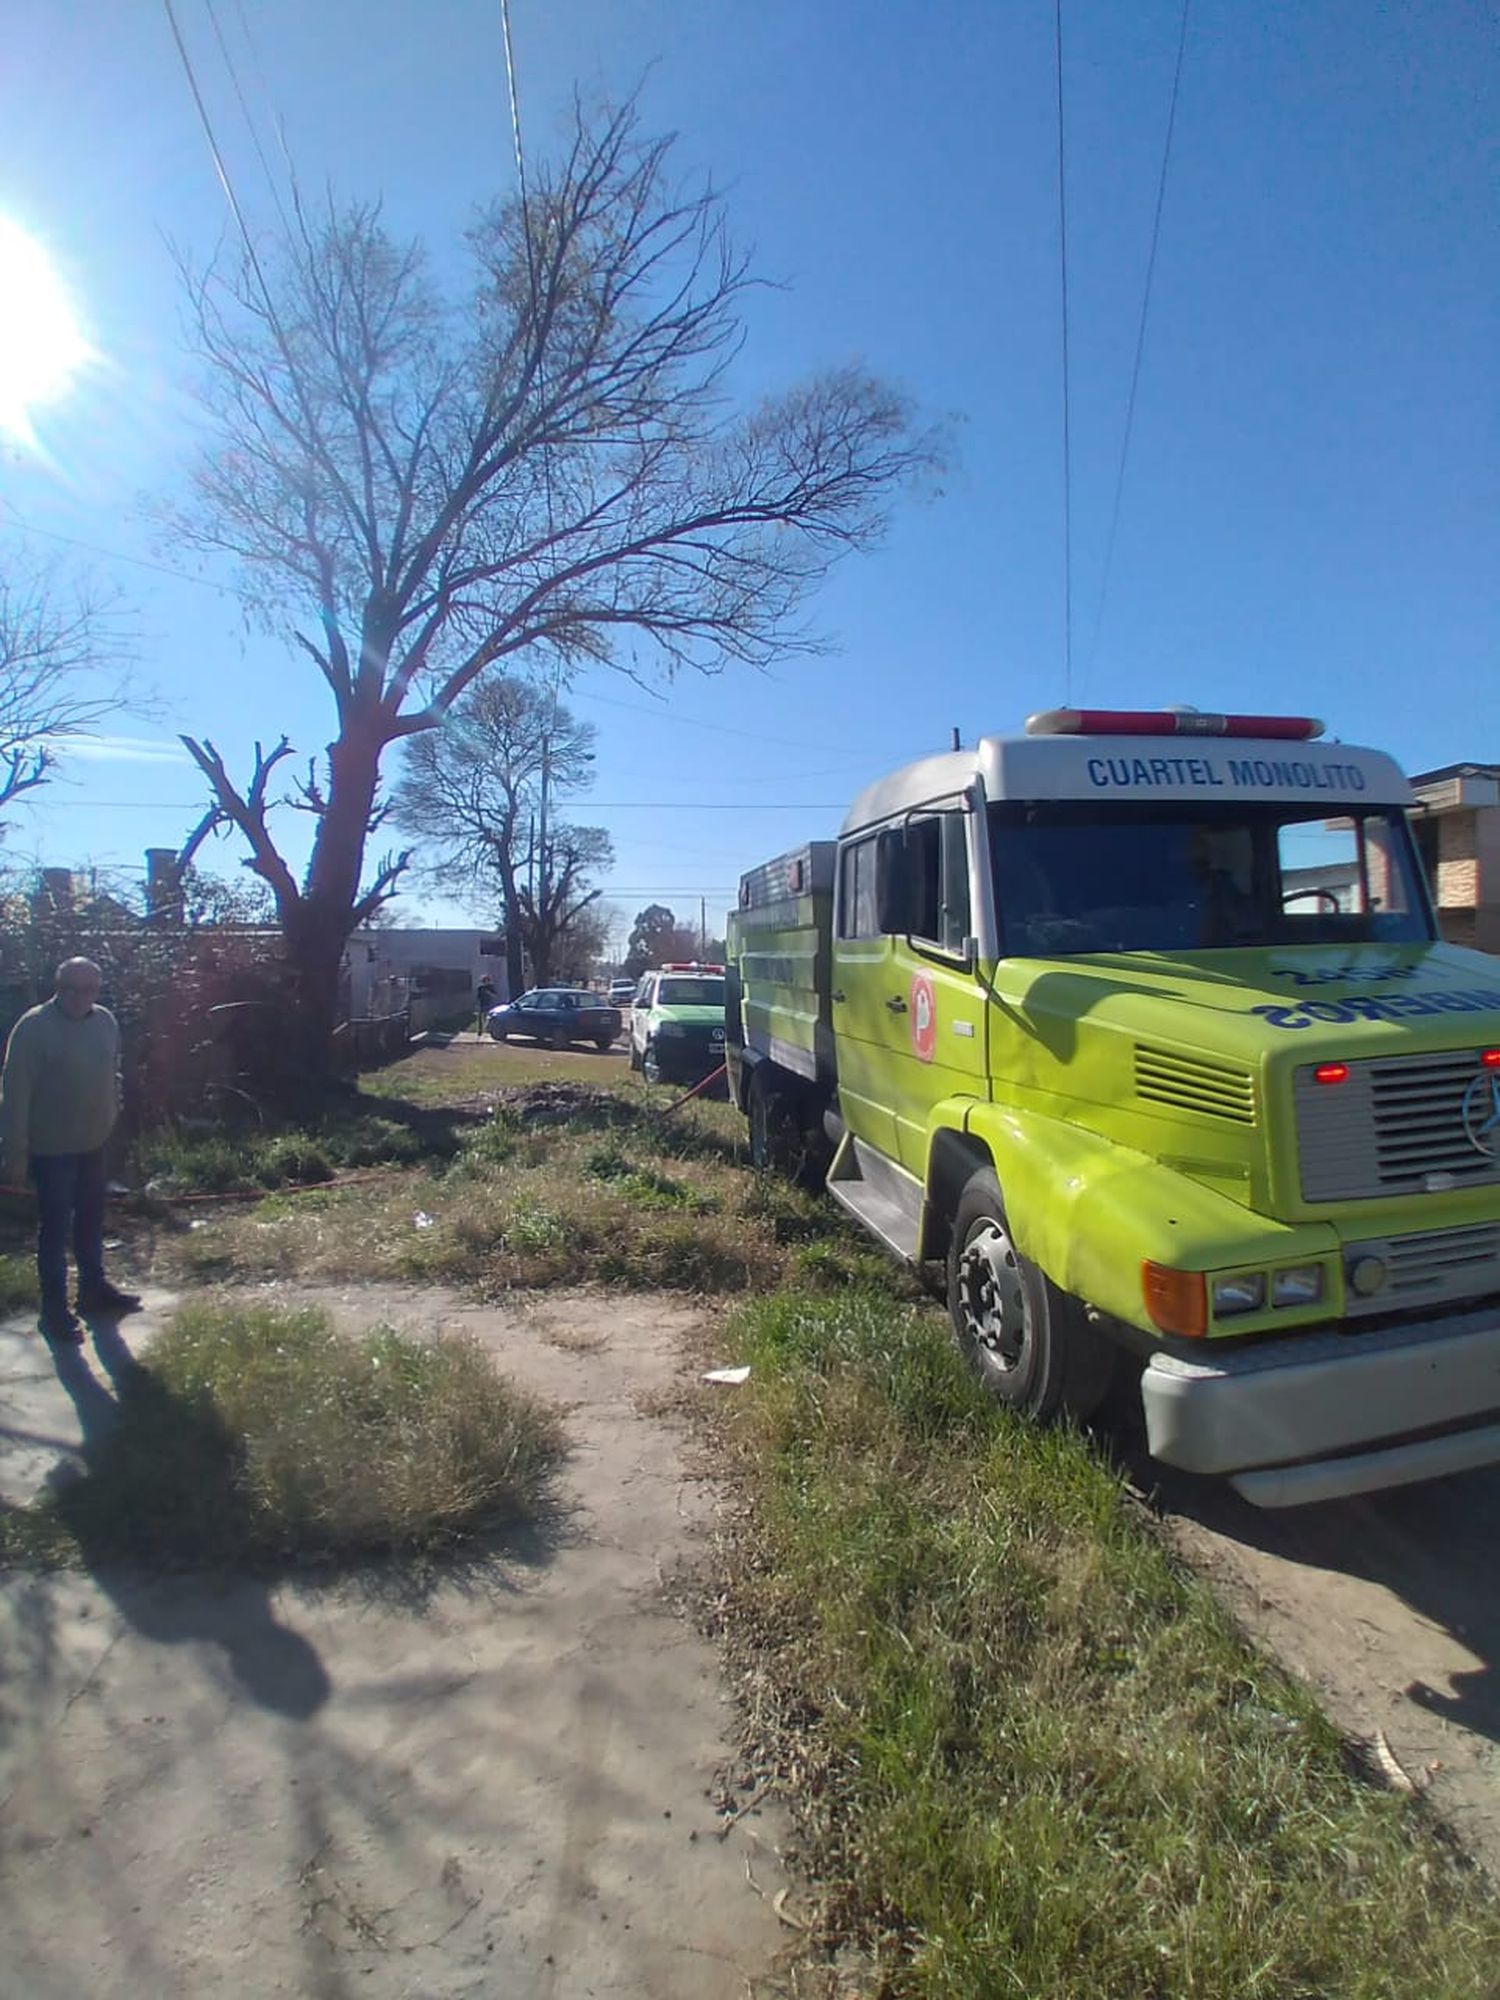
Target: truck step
{"x": 878, "y": 1194}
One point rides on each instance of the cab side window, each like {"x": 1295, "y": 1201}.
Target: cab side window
{"x": 938, "y": 854}
{"x": 857, "y": 918}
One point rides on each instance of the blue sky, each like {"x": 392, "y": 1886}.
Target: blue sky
{"x": 1310, "y": 509}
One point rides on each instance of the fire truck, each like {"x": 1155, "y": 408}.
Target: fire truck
{"x": 1138, "y": 1027}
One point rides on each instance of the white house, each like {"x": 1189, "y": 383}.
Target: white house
{"x": 430, "y": 973}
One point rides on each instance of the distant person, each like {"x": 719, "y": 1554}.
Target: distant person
{"x": 485, "y": 996}
{"x": 59, "y": 1099}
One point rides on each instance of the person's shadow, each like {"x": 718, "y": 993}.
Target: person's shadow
{"x": 159, "y": 1491}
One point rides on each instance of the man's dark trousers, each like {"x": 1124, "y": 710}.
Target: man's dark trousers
{"x": 69, "y": 1199}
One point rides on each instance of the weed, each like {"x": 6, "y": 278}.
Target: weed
{"x": 175, "y": 1162}
{"x": 293, "y": 1160}
{"x": 259, "y": 1435}
{"x": 532, "y": 1225}
{"x": 17, "y": 1283}
{"x": 1038, "y": 1755}
{"x": 648, "y": 1187}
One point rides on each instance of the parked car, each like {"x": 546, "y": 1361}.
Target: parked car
{"x": 677, "y": 1023}
{"x": 621, "y": 992}
{"x": 557, "y": 1015}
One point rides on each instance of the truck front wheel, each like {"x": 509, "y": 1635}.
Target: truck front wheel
{"x": 777, "y": 1142}
{"x": 1028, "y": 1342}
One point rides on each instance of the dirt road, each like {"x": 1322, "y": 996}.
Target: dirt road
{"x": 505, "y": 1788}
{"x": 1389, "y": 1606}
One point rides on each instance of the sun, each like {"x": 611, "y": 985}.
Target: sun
{"x": 42, "y": 347}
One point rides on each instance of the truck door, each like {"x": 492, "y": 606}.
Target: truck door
{"x": 863, "y": 982}
{"x": 939, "y": 1048}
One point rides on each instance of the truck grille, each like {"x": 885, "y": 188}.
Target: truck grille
{"x": 1194, "y": 1083}
{"x": 1427, "y": 1269}
{"x": 1391, "y": 1128}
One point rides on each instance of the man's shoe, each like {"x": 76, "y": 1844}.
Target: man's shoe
{"x": 60, "y": 1327}
{"x": 107, "y": 1298}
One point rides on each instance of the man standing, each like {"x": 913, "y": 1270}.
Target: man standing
{"x": 59, "y": 1098}
{"x": 484, "y": 999}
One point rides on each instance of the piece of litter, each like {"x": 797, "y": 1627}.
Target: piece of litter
{"x": 197, "y": 1223}
{"x": 733, "y": 1376}
{"x": 1385, "y": 1756}
{"x": 422, "y": 1219}
{"x": 778, "y": 1904}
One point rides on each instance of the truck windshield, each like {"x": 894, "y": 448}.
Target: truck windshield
{"x": 691, "y": 993}
{"x": 1075, "y": 876}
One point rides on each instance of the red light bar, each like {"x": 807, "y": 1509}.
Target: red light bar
{"x": 1331, "y": 1073}
{"x": 1490, "y": 1059}
{"x": 1170, "y": 722}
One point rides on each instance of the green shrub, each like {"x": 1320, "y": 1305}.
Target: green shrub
{"x": 292, "y": 1160}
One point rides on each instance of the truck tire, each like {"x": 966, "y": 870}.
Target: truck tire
{"x": 1027, "y": 1341}
{"x": 778, "y": 1143}
{"x": 635, "y": 1056}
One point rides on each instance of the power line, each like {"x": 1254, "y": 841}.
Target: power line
{"x": 260, "y": 151}
{"x": 594, "y": 805}
{"x": 1140, "y": 338}
{"x": 664, "y": 714}
{"x": 114, "y": 555}
{"x": 1062, "y": 221}
{"x": 515, "y": 116}
{"x": 219, "y": 167}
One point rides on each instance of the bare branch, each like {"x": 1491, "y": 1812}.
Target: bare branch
{"x": 247, "y": 812}
{"x": 58, "y": 645}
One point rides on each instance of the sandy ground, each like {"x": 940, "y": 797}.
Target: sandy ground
{"x": 507, "y": 1789}
{"x": 1390, "y": 1606}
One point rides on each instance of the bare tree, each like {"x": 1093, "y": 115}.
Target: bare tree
{"x": 418, "y": 489}
{"x": 54, "y": 646}
{"x": 473, "y": 788}
{"x": 553, "y": 908}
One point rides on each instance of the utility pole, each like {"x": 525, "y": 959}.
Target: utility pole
{"x": 703, "y": 927}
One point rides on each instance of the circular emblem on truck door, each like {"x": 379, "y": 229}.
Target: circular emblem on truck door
{"x": 1481, "y": 1113}
{"x": 923, "y": 1018}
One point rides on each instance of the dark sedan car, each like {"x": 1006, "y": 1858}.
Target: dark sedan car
{"x": 557, "y": 1015}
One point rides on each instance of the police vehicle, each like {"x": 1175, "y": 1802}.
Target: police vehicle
{"x": 677, "y": 1023}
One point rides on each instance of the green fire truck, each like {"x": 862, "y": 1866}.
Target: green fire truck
{"x": 1139, "y": 1025}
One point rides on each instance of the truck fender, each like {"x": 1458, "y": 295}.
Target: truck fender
{"x": 953, "y": 1159}
{"x": 1087, "y": 1211}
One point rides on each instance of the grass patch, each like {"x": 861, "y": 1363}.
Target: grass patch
{"x": 259, "y": 1436}
{"x": 647, "y": 1186}
{"x": 1036, "y": 1757}
{"x": 17, "y": 1282}
{"x": 240, "y": 1160}
{"x": 554, "y": 1182}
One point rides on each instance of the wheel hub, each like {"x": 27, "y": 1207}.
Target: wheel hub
{"x": 993, "y": 1297}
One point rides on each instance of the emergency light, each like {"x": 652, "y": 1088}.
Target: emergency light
{"x": 1169, "y": 722}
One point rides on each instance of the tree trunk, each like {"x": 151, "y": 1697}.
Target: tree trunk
{"x": 515, "y": 962}
{"x": 319, "y": 930}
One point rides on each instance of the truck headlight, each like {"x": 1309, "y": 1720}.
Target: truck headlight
{"x": 1244, "y": 1294}
{"x": 1302, "y": 1285}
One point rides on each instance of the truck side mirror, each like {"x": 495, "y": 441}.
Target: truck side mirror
{"x": 893, "y": 897}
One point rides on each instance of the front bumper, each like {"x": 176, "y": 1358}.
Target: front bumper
{"x": 687, "y": 1058}
{"x": 1321, "y": 1416}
